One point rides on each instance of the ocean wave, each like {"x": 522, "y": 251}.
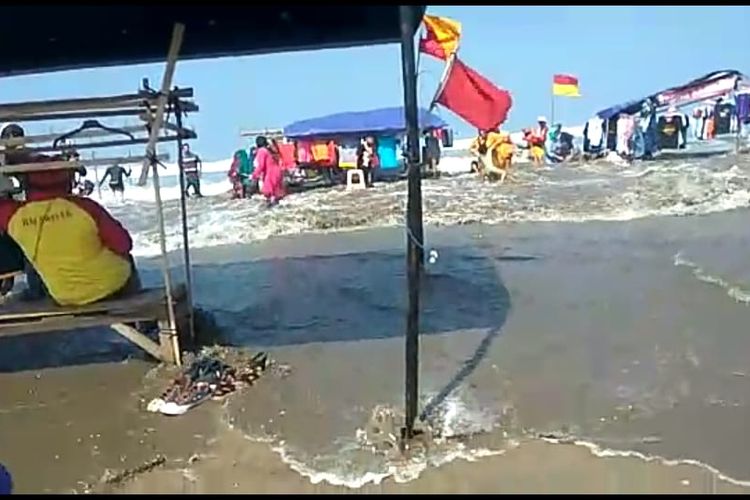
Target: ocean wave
{"x": 734, "y": 291}
{"x": 602, "y": 452}
{"x": 598, "y": 191}
{"x": 371, "y": 455}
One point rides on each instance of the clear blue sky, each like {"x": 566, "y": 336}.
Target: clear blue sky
{"x": 618, "y": 53}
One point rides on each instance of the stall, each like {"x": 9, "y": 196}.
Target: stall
{"x": 345, "y": 130}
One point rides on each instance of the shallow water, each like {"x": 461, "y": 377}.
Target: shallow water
{"x": 586, "y": 330}
{"x": 687, "y": 185}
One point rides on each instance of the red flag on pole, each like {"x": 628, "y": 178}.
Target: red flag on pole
{"x": 472, "y": 97}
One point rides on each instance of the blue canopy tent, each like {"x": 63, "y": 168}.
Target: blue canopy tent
{"x": 382, "y": 121}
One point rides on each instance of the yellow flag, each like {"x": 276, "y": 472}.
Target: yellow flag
{"x": 442, "y": 38}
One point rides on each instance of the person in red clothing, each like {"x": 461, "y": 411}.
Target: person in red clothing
{"x": 269, "y": 170}
{"x": 81, "y": 253}
{"x": 536, "y": 146}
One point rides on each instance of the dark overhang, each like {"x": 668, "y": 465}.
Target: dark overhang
{"x": 42, "y": 38}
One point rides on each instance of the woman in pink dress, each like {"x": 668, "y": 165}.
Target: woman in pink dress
{"x": 268, "y": 169}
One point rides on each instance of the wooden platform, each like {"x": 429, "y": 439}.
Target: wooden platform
{"x": 19, "y": 318}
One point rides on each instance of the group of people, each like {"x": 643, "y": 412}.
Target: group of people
{"x": 258, "y": 171}
{"x": 70, "y": 248}
{"x": 494, "y": 149}
{"x": 261, "y": 169}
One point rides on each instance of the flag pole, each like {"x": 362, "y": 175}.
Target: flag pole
{"x": 552, "y": 108}
{"x": 414, "y": 229}
{"x": 443, "y": 80}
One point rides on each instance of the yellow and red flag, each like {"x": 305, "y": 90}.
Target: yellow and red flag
{"x": 565, "y": 85}
{"x": 441, "y": 37}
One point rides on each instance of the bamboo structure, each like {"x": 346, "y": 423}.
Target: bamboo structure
{"x": 149, "y": 108}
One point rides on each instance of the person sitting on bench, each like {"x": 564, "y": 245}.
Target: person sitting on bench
{"x": 81, "y": 253}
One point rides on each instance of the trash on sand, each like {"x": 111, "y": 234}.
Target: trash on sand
{"x": 206, "y": 378}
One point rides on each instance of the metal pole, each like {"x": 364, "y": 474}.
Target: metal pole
{"x": 414, "y": 240}
{"x": 183, "y": 214}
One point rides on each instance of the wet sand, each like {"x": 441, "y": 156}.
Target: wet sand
{"x": 79, "y": 428}
{"x": 588, "y": 331}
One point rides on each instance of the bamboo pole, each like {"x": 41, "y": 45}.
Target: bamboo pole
{"x": 166, "y": 85}
{"x": 174, "y": 49}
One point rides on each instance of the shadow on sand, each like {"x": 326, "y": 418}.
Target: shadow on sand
{"x": 294, "y": 301}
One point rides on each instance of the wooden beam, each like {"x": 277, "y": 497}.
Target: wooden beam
{"x": 90, "y": 133}
{"x": 274, "y": 132}
{"x": 36, "y": 167}
{"x": 121, "y": 160}
{"x": 151, "y": 299}
{"x": 140, "y": 340}
{"x": 189, "y": 134}
{"x": 95, "y": 132}
{"x": 108, "y": 113}
{"x": 85, "y": 103}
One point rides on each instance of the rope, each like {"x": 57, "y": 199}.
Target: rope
{"x": 432, "y": 253}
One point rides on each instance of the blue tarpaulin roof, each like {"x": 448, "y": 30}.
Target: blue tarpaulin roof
{"x": 376, "y": 121}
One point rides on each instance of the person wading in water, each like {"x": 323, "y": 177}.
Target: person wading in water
{"x": 192, "y": 167}
{"x": 116, "y": 175}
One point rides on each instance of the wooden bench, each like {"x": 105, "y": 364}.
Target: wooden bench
{"x": 19, "y": 318}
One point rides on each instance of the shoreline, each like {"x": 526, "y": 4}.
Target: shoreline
{"x": 236, "y": 465}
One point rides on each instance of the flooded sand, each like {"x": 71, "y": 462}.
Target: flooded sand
{"x": 587, "y": 331}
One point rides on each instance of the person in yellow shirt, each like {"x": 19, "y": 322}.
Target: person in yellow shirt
{"x": 504, "y": 153}
{"x": 495, "y": 151}
{"x": 81, "y": 253}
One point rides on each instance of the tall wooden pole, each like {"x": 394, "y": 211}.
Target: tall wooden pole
{"x": 156, "y": 126}
{"x": 414, "y": 230}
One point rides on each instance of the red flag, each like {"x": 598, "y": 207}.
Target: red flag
{"x": 472, "y": 97}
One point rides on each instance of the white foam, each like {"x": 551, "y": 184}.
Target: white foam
{"x": 136, "y": 195}
{"x": 733, "y": 291}
{"x": 403, "y": 472}
{"x": 602, "y": 452}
